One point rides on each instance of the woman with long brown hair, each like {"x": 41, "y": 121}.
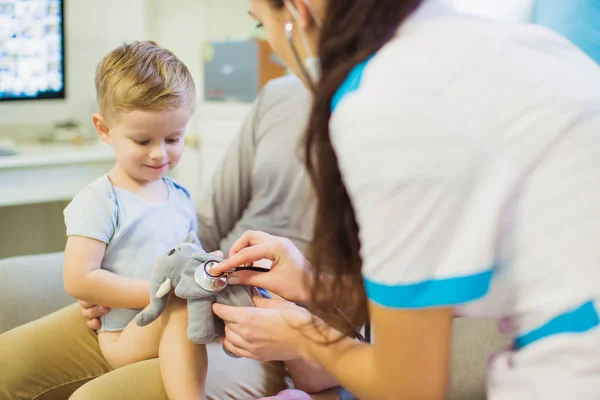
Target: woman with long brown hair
{"x": 455, "y": 163}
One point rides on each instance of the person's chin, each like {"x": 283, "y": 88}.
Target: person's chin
{"x": 149, "y": 175}
{"x": 156, "y": 175}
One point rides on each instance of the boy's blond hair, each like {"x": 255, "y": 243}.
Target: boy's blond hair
{"x": 143, "y": 76}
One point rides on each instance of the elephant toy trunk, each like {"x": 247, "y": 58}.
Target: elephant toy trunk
{"x": 153, "y": 311}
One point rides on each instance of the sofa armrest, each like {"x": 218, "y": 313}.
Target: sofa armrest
{"x": 30, "y": 287}
{"x": 474, "y": 340}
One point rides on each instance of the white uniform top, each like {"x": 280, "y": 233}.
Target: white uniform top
{"x": 470, "y": 150}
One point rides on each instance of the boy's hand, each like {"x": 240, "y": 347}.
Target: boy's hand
{"x": 92, "y": 313}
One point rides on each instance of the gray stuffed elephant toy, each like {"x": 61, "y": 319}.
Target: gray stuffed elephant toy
{"x": 175, "y": 269}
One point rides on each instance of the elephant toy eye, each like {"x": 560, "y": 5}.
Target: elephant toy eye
{"x": 173, "y": 251}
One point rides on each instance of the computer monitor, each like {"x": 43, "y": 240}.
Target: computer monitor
{"x": 32, "y": 54}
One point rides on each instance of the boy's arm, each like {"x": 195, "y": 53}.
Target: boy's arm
{"x": 84, "y": 280}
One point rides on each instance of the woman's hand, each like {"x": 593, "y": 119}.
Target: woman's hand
{"x": 92, "y": 312}
{"x": 289, "y": 268}
{"x": 270, "y": 331}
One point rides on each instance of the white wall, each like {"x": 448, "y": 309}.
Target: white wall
{"x": 184, "y": 27}
{"x": 92, "y": 29}
{"x": 228, "y": 20}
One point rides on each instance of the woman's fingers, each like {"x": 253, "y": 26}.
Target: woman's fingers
{"x": 246, "y": 278}
{"x": 261, "y": 302}
{"x": 236, "y": 350}
{"x": 230, "y": 313}
{"x": 246, "y": 256}
{"x": 249, "y": 238}
{"x": 235, "y": 339}
{"x": 236, "y": 343}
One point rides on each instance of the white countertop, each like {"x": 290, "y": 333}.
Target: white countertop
{"x": 51, "y": 172}
{"x": 52, "y": 154}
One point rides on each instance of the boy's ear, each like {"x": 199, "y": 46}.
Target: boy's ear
{"x": 102, "y": 128}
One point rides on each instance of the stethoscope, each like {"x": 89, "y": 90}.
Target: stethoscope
{"x": 215, "y": 283}
{"x": 289, "y": 33}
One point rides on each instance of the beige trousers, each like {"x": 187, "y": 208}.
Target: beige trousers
{"x": 57, "y": 358}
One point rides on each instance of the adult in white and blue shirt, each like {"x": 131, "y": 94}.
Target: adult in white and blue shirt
{"x": 484, "y": 166}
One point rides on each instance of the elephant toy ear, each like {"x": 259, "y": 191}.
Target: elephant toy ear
{"x": 192, "y": 237}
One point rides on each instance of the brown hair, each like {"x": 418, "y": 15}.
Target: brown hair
{"x": 143, "y": 76}
{"x": 352, "y": 31}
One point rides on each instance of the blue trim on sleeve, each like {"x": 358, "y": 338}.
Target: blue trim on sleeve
{"x": 579, "y": 320}
{"x": 431, "y": 293}
{"x": 351, "y": 83}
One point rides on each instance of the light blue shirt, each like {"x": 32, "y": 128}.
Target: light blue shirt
{"x": 577, "y": 20}
{"x": 136, "y": 232}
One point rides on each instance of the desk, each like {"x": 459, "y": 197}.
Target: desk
{"x": 50, "y": 173}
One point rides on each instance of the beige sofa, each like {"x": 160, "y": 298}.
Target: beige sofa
{"x": 31, "y": 287}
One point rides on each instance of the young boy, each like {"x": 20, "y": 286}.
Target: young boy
{"x": 120, "y": 223}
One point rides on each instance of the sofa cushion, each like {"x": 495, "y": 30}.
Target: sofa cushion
{"x": 30, "y": 287}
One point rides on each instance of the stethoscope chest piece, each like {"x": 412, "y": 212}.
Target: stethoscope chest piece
{"x": 209, "y": 282}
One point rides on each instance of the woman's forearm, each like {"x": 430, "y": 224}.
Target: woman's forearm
{"x": 355, "y": 366}
{"x": 111, "y": 290}
{"x": 350, "y": 363}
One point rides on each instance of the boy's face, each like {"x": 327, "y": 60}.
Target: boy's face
{"x": 148, "y": 144}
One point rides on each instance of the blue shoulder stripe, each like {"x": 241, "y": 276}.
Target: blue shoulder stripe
{"x": 351, "y": 83}
{"x": 431, "y": 293}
